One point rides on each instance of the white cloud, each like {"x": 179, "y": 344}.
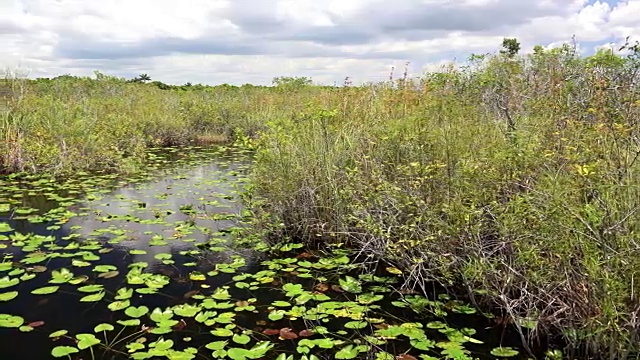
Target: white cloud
{"x": 240, "y": 41}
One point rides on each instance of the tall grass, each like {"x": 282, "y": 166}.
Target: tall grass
{"x": 68, "y": 123}
{"x": 514, "y": 180}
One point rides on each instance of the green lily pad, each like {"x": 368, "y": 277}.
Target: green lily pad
{"x": 63, "y": 351}
{"x": 504, "y": 352}
{"x": 186, "y": 310}
{"x": 93, "y": 297}
{"x": 6, "y": 282}
{"x": 136, "y": 312}
{"x": 8, "y": 295}
{"x": 59, "y": 333}
{"x": 104, "y": 268}
{"x": 241, "y": 339}
{"x": 103, "y": 327}
{"x": 86, "y": 341}
{"x": 10, "y": 321}
{"x": 119, "y": 305}
{"x": 130, "y": 322}
{"x": 222, "y": 332}
{"x": 91, "y": 288}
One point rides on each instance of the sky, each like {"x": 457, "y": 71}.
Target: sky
{"x": 253, "y": 41}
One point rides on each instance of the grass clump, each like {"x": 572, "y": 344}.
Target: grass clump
{"x": 514, "y": 178}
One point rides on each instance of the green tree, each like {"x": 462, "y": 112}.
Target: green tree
{"x": 291, "y": 82}
{"x": 141, "y": 78}
{"x": 510, "y": 47}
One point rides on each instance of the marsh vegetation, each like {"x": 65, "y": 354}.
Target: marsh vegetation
{"x": 484, "y": 211}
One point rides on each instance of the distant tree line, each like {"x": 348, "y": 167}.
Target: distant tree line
{"x": 510, "y": 49}
{"x": 281, "y": 82}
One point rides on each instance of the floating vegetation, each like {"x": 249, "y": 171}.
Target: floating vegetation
{"x": 155, "y": 266}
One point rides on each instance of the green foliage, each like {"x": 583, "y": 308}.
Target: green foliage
{"x": 291, "y": 83}
{"x": 511, "y": 173}
{"x": 69, "y": 124}
{"x": 510, "y": 47}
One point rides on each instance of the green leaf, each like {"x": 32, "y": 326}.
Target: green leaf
{"x": 463, "y": 309}
{"x": 80, "y": 263}
{"x": 162, "y": 344}
{"x": 123, "y": 294}
{"x": 131, "y": 322}
{"x": 25, "y": 328}
{"x": 86, "y": 341}
{"x": 280, "y": 303}
{"x": 276, "y": 315}
{"x": 367, "y": 299}
{"x": 221, "y": 294}
{"x": 222, "y": 332}
{"x": 27, "y": 276}
{"x": 292, "y": 289}
{"x": 90, "y": 288}
{"x": 356, "y": 324}
{"x": 6, "y": 282}
{"x": 179, "y": 355}
{"x": 241, "y": 339}
{"x": 186, "y": 310}
{"x": 93, "y": 297}
{"x": 63, "y": 351}
{"x": 45, "y": 290}
{"x": 159, "y": 315}
{"x": 259, "y": 349}
{"x": 134, "y": 346}
{"x": 347, "y": 352}
{"x": 136, "y": 312}
{"x": 109, "y": 274}
{"x": 8, "y": 295}
{"x": 504, "y": 352}
{"x": 58, "y": 333}
{"x": 383, "y": 355}
{"x": 350, "y": 284}
{"x": 325, "y": 343}
{"x": 216, "y": 345}
{"x": 118, "y": 305}
{"x": 423, "y": 344}
{"x": 61, "y": 276}
{"x": 237, "y": 354}
{"x": 104, "y": 268}
{"x": 197, "y": 276}
{"x": 103, "y": 327}
{"x": 10, "y": 321}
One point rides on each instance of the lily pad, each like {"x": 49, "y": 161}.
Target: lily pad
{"x": 136, "y": 312}
{"x": 504, "y": 352}
{"x": 8, "y": 295}
{"x": 10, "y": 321}
{"x": 63, "y": 351}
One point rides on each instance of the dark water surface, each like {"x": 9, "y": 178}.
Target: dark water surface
{"x": 169, "y": 238}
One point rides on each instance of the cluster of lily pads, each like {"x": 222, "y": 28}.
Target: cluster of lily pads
{"x": 166, "y": 274}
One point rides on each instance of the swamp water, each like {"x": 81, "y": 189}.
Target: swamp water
{"x": 157, "y": 266}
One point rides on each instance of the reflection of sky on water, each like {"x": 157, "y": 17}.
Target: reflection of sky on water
{"x": 206, "y": 188}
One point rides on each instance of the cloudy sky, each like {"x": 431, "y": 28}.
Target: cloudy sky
{"x": 251, "y": 41}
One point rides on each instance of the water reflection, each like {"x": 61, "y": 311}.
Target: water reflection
{"x": 167, "y": 215}
{"x": 182, "y": 206}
